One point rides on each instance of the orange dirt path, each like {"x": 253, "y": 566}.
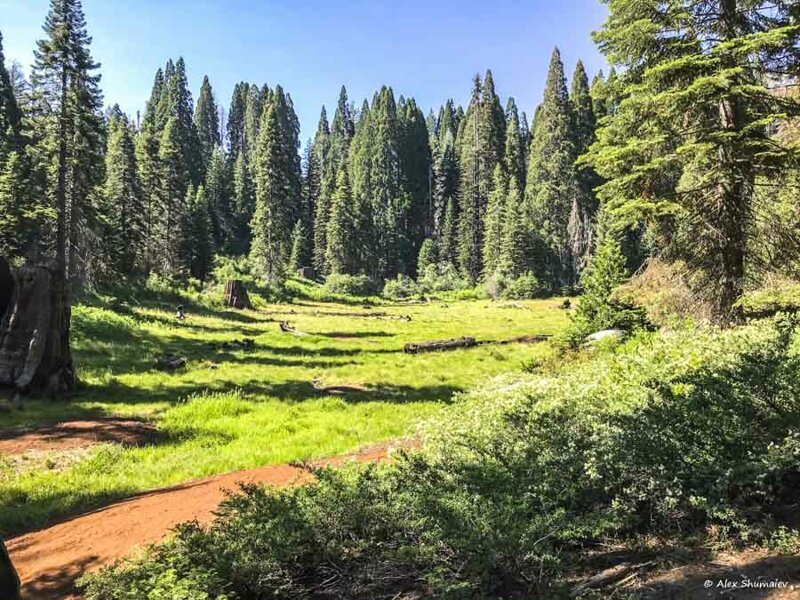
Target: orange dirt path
{"x": 50, "y": 560}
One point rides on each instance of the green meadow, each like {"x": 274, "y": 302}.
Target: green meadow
{"x": 232, "y": 409}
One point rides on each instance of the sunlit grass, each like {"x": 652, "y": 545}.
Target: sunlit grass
{"x": 232, "y": 409}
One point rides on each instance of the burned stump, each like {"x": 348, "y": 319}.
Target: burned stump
{"x": 9, "y": 580}
{"x": 35, "y": 354}
{"x": 439, "y": 345}
{"x": 306, "y": 273}
{"x": 236, "y": 295}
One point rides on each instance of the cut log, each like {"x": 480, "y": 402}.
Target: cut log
{"x": 236, "y": 295}
{"x": 439, "y": 345}
{"x": 523, "y": 339}
{"x": 9, "y": 580}
{"x": 35, "y": 356}
{"x": 607, "y": 577}
{"x": 170, "y": 363}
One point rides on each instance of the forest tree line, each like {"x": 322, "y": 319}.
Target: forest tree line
{"x": 473, "y": 190}
{"x": 683, "y": 148}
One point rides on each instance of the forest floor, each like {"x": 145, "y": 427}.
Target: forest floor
{"x": 339, "y": 383}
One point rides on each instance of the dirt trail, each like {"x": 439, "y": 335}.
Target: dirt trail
{"x": 50, "y": 560}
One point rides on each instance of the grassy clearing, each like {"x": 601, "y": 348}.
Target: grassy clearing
{"x": 234, "y": 409}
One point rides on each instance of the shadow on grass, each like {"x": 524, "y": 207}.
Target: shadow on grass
{"x": 354, "y": 334}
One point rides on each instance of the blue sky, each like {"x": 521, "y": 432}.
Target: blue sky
{"x": 429, "y": 50}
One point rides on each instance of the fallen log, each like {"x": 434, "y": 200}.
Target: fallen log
{"x": 439, "y": 345}
{"x": 236, "y": 295}
{"x": 523, "y": 339}
{"x": 375, "y": 315}
{"x": 286, "y": 327}
{"x": 246, "y": 344}
{"x": 170, "y": 363}
{"x": 607, "y": 577}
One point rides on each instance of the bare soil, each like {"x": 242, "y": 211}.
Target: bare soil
{"x": 71, "y": 435}
{"x": 50, "y": 560}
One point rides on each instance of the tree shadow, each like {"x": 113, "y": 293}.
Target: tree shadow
{"x": 354, "y": 334}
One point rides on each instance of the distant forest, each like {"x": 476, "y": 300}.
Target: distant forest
{"x": 688, "y": 161}
{"x": 474, "y": 191}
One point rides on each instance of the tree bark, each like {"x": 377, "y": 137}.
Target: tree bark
{"x": 9, "y": 580}
{"x": 236, "y": 295}
{"x": 35, "y": 354}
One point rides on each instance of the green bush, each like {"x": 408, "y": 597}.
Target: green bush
{"x": 524, "y": 287}
{"x": 441, "y": 277}
{"x": 350, "y": 285}
{"x": 400, "y": 287}
{"x": 660, "y": 435}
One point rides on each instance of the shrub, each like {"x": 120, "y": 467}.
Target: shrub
{"x": 400, "y": 287}
{"x": 350, "y": 285}
{"x": 524, "y": 287}
{"x": 661, "y": 435}
{"x": 427, "y": 255}
{"x": 441, "y": 277}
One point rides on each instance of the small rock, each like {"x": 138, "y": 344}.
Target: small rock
{"x": 605, "y": 334}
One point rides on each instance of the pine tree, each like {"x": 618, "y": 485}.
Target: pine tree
{"x": 584, "y": 205}
{"x": 277, "y": 180}
{"x": 220, "y": 200}
{"x": 244, "y": 203}
{"x": 254, "y": 109}
{"x": 514, "y": 155}
{"x": 17, "y": 228}
{"x": 515, "y": 249}
{"x": 482, "y": 145}
{"x": 494, "y": 222}
{"x": 692, "y": 78}
{"x": 299, "y": 253}
{"x": 179, "y": 106}
{"x": 315, "y": 178}
{"x": 69, "y": 119}
{"x": 551, "y": 183}
{"x": 342, "y": 227}
{"x": 173, "y": 193}
{"x": 10, "y": 113}
{"x": 206, "y": 121}
{"x": 235, "y": 125}
{"x": 123, "y": 207}
{"x": 197, "y": 246}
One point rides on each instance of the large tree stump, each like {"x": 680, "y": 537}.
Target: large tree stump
{"x": 9, "y": 580}
{"x": 35, "y": 356}
{"x": 236, "y": 295}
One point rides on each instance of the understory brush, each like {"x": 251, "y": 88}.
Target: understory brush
{"x": 664, "y": 434}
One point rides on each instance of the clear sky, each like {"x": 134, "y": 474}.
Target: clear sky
{"x": 426, "y": 49}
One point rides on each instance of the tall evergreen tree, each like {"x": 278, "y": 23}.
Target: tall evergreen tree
{"x": 698, "y": 74}
{"x": 206, "y": 121}
{"x": 220, "y": 200}
{"x": 495, "y": 221}
{"x": 317, "y": 166}
{"x": 551, "y": 183}
{"x": 584, "y": 205}
{"x": 172, "y": 197}
{"x": 197, "y": 245}
{"x": 277, "y": 181}
{"x": 235, "y": 125}
{"x": 244, "y": 203}
{"x": 341, "y": 251}
{"x": 10, "y": 113}
{"x": 71, "y": 128}
{"x": 514, "y": 155}
{"x": 123, "y": 206}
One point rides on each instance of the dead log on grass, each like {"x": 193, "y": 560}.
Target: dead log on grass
{"x": 439, "y": 345}
{"x": 170, "y": 363}
{"x": 523, "y": 339}
{"x": 35, "y": 355}
{"x": 236, "y": 295}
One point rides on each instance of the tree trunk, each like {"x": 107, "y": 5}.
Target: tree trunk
{"x": 35, "y": 355}
{"x": 9, "y": 580}
{"x": 236, "y": 295}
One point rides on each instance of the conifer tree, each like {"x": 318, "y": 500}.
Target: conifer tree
{"x": 206, "y": 121}
{"x": 515, "y": 249}
{"x": 514, "y": 155}
{"x": 220, "y": 200}
{"x": 341, "y": 252}
{"x": 551, "y": 184}
{"x": 244, "y": 201}
{"x": 299, "y": 253}
{"x": 197, "y": 246}
{"x": 70, "y": 128}
{"x": 122, "y": 198}
{"x": 173, "y": 195}
{"x": 584, "y": 205}
{"x": 482, "y": 145}
{"x": 10, "y": 113}
{"x": 17, "y": 222}
{"x": 277, "y": 182}
{"x": 698, "y": 76}
{"x": 495, "y": 221}
{"x": 317, "y": 166}
{"x": 235, "y": 125}
{"x": 254, "y": 108}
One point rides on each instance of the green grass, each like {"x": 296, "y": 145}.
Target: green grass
{"x": 235, "y": 410}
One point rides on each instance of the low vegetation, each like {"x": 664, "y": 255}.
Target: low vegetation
{"x": 680, "y": 434}
{"x": 232, "y": 408}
